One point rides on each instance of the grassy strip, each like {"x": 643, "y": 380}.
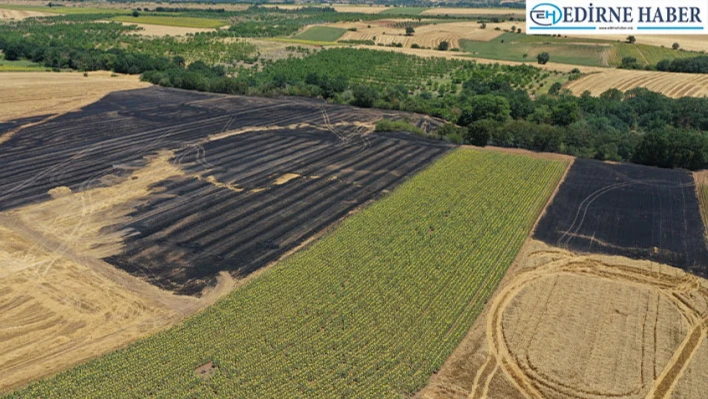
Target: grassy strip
{"x": 20, "y": 66}
{"x": 702, "y": 187}
{"x": 298, "y": 41}
{"x": 64, "y": 10}
{"x": 321, "y": 34}
{"x": 646, "y": 54}
{"x": 371, "y": 310}
{"x": 513, "y": 47}
{"x": 184, "y": 22}
{"x": 387, "y": 125}
{"x": 404, "y": 10}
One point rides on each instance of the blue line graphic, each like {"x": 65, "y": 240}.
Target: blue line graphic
{"x": 563, "y": 28}
{"x": 670, "y": 28}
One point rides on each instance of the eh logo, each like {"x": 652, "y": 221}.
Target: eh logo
{"x": 546, "y": 14}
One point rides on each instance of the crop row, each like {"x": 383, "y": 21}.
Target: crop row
{"x": 371, "y": 310}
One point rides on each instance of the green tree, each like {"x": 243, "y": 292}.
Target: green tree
{"x": 565, "y": 112}
{"x": 555, "y": 88}
{"x": 479, "y": 132}
{"x": 675, "y": 46}
{"x": 443, "y": 46}
{"x": 631, "y": 39}
{"x": 136, "y": 13}
{"x": 409, "y": 31}
{"x": 364, "y": 96}
{"x": 486, "y": 106}
{"x": 543, "y": 58}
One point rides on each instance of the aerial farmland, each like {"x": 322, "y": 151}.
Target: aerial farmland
{"x": 230, "y": 200}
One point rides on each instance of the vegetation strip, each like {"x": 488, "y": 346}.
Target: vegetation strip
{"x": 371, "y": 310}
{"x": 185, "y": 22}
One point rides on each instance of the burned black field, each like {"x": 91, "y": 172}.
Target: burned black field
{"x": 635, "y": 211}
{"x": 258, "y": 176}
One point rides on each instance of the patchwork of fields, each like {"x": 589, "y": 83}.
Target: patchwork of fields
{"x": 166, "y": 243}
{"x": 372, "y": 309}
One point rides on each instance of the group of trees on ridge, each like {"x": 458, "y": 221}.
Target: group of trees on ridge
{"x": 638, "y": 126}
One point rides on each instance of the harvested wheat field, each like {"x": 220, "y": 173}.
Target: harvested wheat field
{"x": 563, "y": 325}
{"x": 19, "y": 14}
{"x": 518, "y": 13}
{"x": 29, "y": 94}
{"x": 671, "y": 84}
{"x": 60, "y": 304}
{"x": 389, "y": 31}
{"x": 163, "y": 30}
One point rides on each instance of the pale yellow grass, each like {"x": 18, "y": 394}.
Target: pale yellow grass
{"x": 473, "y": 11}
{"x": 671, "y": 84}
{"x": 563, "y": 325}
{"x": 361, "y": 9}
{"x": 687, "y": 42}
{"x": 162, "y": 30}
{"x": 285, "y": 178}
{"x": 60, "y": 304}
{"x": 131, "y": 6}
{"x": 26, "y": 94}
{"x": 18, "y": 14}
{"x": 426, "y": 36}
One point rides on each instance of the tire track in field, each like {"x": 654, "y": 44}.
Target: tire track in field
{"x": 530, "y": 383}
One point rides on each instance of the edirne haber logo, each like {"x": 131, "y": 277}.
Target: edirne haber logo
{"x": 617, "y": 17}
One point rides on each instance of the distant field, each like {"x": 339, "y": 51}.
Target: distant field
{"x": 404, "y": 10}
{"x": 64, "y": 10}
{"x": 646, "y": 54}
{"x": 515, "y": 46}
{"x": 670, "y": 84}
{"x": 186, "y": 22}
{"x": 20, "y": 66}
{"x": 321, "y": 34}
{"x": 473, "y": 11}
{"x": 426, "y": 35}
{"x": 371, "y": 310}
{"x": 298, "y": 41}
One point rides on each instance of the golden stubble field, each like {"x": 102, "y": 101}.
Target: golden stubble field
{"x": 668, "y": 83}
{"x": 26, "y": 94}
{"x": 60, "y": 303}
{"x": 563, "y": 325}
{"x": 19, "y": 14}
{"x": 384, "y": 32}
{"x": 163, "y": 30}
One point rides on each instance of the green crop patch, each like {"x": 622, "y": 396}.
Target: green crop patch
{"x": 184, "y": 22}
{"x": 373, "y": 309}
{"x": 404, "y": 10}
{"x": 519, "y": 47}
{"x": 321, "y": 34}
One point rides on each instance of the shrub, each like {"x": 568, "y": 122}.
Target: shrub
{"x": 543, "y": 58}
